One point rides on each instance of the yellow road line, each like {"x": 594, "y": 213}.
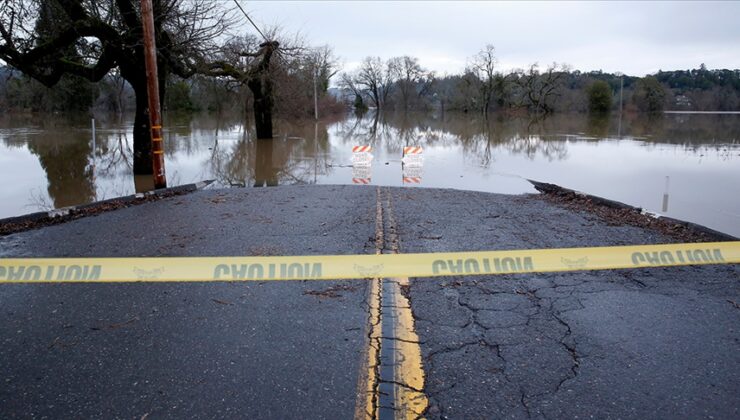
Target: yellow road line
{"x": 326, "y": 267}
{"x": 402, "y": 344}
{"x": 392, "y": 381}
{"x": 400, "y": 349}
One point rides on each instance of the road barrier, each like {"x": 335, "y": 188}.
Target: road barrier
{"x": 327, "y": 267}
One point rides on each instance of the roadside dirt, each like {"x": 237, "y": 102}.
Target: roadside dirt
{"x": 38, "y": 220}
{"x": 614, "y": 214}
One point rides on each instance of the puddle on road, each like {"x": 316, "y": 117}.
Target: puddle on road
{"x": 49, "y": 161}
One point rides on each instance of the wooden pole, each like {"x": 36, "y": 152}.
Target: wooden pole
{"x": 155, "y": 118}
{"x": 315, "y": 95}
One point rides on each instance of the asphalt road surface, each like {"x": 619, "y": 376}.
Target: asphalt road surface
{"x": 648, "y": 343}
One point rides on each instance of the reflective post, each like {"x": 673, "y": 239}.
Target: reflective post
{"x": 315, "y": 95}
{"x": 665, "y": 195}
{"x": 94, "y": 159}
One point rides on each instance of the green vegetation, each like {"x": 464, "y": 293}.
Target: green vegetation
{"x": 599, "y": 97}
{"x": 177, "y": 97}
{"x": 483, "y": 88}
{"x": 20, "y": 92}
{"x": 650, "y": 95}
{"x": 359, "y": 104}
{"x": 532, "y": 91}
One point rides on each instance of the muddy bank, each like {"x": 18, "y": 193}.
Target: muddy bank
{"x": 57, "y": 216}
{"x": 612, "y": 212}
{"x": 616, "y": 213}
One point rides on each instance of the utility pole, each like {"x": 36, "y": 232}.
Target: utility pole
{"x": 621, "y": 89}
{"x": 155, "y": 118}
{"x": 315, "y": 94}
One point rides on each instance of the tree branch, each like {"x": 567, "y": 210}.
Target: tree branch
{"x": 128, "y": 14}
{"x": 105, "y": 63}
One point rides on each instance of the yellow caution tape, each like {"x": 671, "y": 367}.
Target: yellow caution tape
{"x": 326, "y": 267}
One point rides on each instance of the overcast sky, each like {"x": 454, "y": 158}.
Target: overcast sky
{"x": 635, "y": 38}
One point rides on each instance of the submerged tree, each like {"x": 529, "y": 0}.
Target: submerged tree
{"x": 302, "y": 80}
{"x": 245, "y": 61}
{"x": 539, "y": 90}
{"x": 256, "y": 75}
{"x": 650, "y": 95}
{"x": 599, "y": 97}
{"x": 89, "y": 38}
{"x": 324, "y": 64}
{"x": 396, "y": 83}
{"x": 414, "y": 82}
{"x": 482, "y": 75}
{"x": 375, "y": 78}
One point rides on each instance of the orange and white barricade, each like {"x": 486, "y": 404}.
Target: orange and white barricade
{"x": 361, "y": 155}
{"x": 362, "y": 175}
{"x": 412, "y": 156}
{"x": 411, "y": 174}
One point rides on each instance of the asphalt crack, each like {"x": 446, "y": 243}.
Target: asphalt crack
{"x": 395, "y": 377}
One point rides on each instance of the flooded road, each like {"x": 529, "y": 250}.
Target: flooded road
{"x": 683, "y": 166}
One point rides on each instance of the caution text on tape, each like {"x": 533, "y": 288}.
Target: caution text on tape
{"x": 326, "y": 267}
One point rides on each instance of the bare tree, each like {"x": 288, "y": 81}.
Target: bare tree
{"x": 239, "y": 61}
{"x": 538, "y": 90}
{"x": 375, "y": 78}
{"x": 324, "y": 64}
{"x": 413, "y": 80}
{"x": 246, "y": 61}
{"x": 502, "y": 89}
{"x": 482, "y": 67}
{"x": 321, "y": 65}
{"x": 370, "y": 78}
{"x": 347, "y": 82}
{"x": 88, "y": 38}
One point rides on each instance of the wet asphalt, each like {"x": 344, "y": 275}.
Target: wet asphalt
{"x": 652, "y": 343}
{"x": 649, "y": 343}
{"x": 215, "y": 350}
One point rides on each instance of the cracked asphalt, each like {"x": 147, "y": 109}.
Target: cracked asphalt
{"x": 648, "y": 343}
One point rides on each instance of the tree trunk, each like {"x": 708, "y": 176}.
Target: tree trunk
{"x": 261, "y": 88}
{"x": 142, "y": 137}
{"x": 136, "y": 76}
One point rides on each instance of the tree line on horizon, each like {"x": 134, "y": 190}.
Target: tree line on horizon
{"x": 293, "y": 78}
{"x": 399, "y": 84}
{"x": 75, "y": 55}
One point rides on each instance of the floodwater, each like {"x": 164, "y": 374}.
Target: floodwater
{"x": 683, "y": 166}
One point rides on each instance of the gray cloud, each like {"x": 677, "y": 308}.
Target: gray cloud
{"x": 632, "y": 37}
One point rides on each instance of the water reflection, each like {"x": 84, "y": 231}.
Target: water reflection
{"x": 265, "y": 171}
{"x": 598, "y": 126}
{"x": 49, "y": 161}
{"x": 68, "y": 169}
{"x": 239, "y": 159}
{"x": 664, "y": 208}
